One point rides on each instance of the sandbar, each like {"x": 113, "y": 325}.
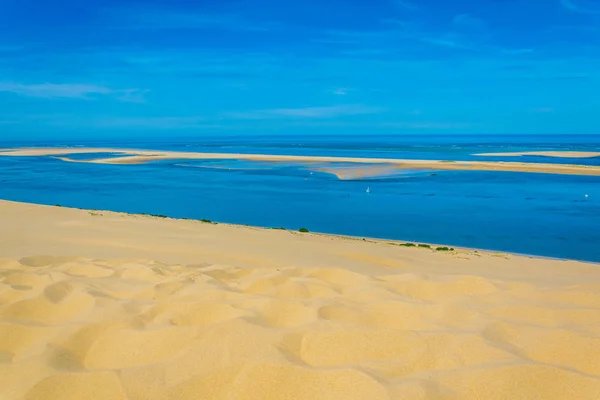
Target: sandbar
{"x": 106, "y": 305}
{"x": 129, "y": 156}
{"x": 560, "y": 154}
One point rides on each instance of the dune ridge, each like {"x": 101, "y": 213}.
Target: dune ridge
{"x": 383, "y": 166}
{"x": 137, "y": 307}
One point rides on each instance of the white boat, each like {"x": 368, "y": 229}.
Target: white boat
{"x": 369, "y": 189}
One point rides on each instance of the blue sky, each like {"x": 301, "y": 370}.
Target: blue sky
{"x": 220, "y": 67}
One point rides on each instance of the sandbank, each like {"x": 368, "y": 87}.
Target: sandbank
{"x": 128, "y": 156}
{"x": 105, "y": 305}
{"x": 561, "y": 154}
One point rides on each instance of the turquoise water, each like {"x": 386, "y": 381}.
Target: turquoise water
{"x": 538, "y": 214}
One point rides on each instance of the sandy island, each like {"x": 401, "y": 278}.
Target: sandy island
{"x": 560, "y": 154}
{"x": 104, "y": 305}
{"x": 128, "y": 156}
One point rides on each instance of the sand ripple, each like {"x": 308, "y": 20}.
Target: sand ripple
{"x": 75, "y": 328}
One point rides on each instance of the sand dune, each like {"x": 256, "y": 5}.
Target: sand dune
{"x": 132, "y": 307}
{"x": 381, "y": 166}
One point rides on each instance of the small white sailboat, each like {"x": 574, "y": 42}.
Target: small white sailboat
{"x": 368, "y": 189}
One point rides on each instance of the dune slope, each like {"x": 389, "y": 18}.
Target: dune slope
{"x": 102, "y": 305}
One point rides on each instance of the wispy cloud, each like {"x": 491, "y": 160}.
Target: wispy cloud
{"x": 193, "y": 64}
{"x": 10, "y": 49}
{"x": 582, "y": 6}
{"x": 52, "y": 90}
{"x": 350, "y": 37}
{"x": 468, "y": 21}
{"x": 171, "y": 18}
{"x": 151, "y": 122}
{"x": 307, "y": 112}
{"x": 401, "y": 125}
{"x": 397, "y": 36}
{"x": 517, "y": 52}
{"x": 70, "y": 91}
{"x": 341, "y": 91}
{"x": 406, "y": 5}
{"x": 132, "y": 95}
{"x": 449, "y": 41}
{"x": 115, "y": 122}
{"x": 427, "y": 125}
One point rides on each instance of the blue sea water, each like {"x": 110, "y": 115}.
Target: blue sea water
{"x": 537, "y": 214}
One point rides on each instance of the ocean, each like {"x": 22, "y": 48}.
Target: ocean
{"x": 535, "y": 214}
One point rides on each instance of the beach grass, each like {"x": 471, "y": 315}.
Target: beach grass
{"x": 444, "y": 248}
{"x": 155, "y": 215}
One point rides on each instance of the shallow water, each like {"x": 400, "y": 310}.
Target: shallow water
{"x": 540, "y": 214}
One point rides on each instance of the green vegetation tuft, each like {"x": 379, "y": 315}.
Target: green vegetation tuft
{"x": 281, "y": 228}
{"x": 445, "y": 249}
{"x": 407, "y": 244}
{"x": 303, "y": 230}
{"x": 424, "y": 246}
{"x": 152, "y": 215}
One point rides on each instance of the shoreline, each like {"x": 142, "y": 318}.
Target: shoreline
{"x": 424, "y": 246}
{"x": 129, "y": 157}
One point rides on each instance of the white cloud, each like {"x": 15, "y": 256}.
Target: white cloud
{"x": 150, "y": 122}
{"x": 148, "y": 17}
{"x": 516, "y": 52}
{"x": 69, "y": 91}
{"x": 582, "y": 6}
{"x": 306, "y": 112}
{"x": 132, "y": 95}
{"x": 10, "y": 49}
{"x": 50, "y": 90}
{"x": 427, "y": 125}
{"x": 341, "y": 91}
{"x": 406, "y": 4}
{"x": 116, "y": 122}
{"x": 411, "y": 126}
{"x": 468, "y": 21}
{"x": 451, "y": 42}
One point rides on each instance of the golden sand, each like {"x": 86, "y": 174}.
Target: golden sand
{"x": 383, "y": 166}
{"x": 230, "y": 312}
